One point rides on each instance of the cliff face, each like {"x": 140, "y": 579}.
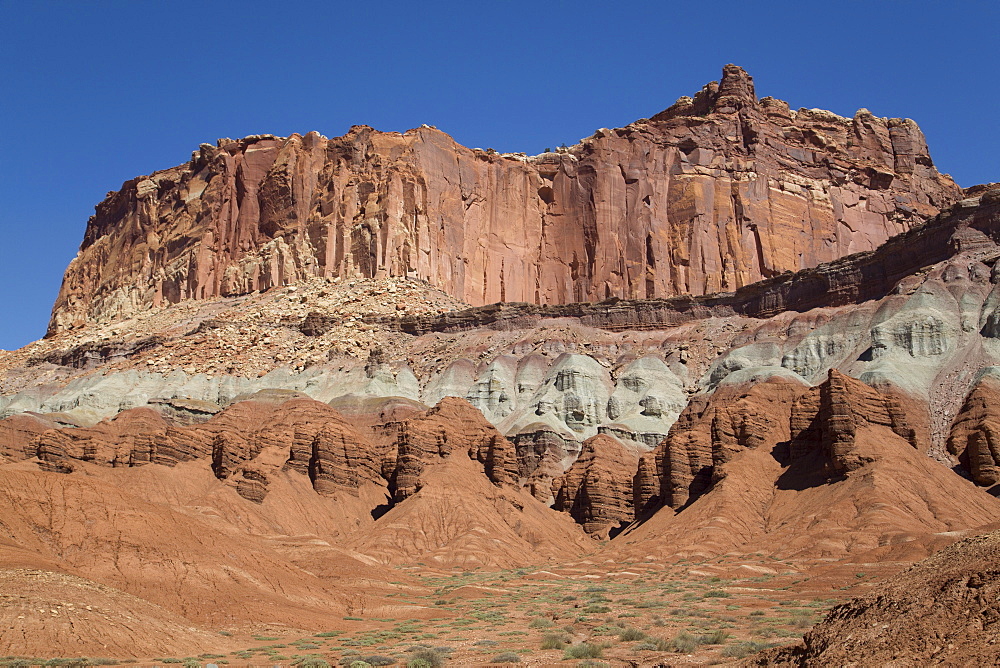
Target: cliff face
{"x": 830, "y": 430}
{"x": 827, "y": 419}
{"x": 975, "y": 434}
{"x": 597, "y": 490}
{"x": 714, "y": 193}
{"x": 707, "y": 435}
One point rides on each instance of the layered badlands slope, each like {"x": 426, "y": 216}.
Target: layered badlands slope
{"x": 918, "y": 314}
{"x": 268, "y": 356}
{"x": 271, "y": 516}
{"x": 714, "y": 193}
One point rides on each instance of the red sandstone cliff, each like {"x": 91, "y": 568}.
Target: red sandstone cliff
{"x": 714, "y": 193}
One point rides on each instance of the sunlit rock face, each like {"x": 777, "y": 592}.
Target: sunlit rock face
{"x": 714, "y": 193}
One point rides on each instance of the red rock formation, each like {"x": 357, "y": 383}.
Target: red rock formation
{"x": 975, "y": 434}
{"x": 259, "y": 438}
{"x": 709, "y": 195}
{"x": 341, "y": 458}
{"x": 827, "y": 419}
{"x": 453, "y": 426}
{"x": 18, "y": 434}
{"x": 647, "y": 486}
{"x": 132, "y": 437}
{"x": 706, "y": 436}
{"x": 972, "y": 226}
{"x": 305, "y": 435}
{"x": 822, "y": 421}
{"x": 597, "y": 490}
{"x": 251, "y": 440}
{"x": 540, "y": 455}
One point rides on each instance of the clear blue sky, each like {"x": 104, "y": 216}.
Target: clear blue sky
{"x": 95, "y": 93}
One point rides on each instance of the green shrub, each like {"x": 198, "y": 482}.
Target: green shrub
{"x": 802, "y": 621}
{"x": 630, "y": 634}
{"x": 361, "y": 664}
{"x": 716, "y": 637}
{"x": 554, "y": 641}
{"x": 313, "y": 663}
{"x": 649, "y": 604}
{"x": 506, "y": 657}
{"x": 596, "y": 609}
{"x": 744, "y": 649}
{"x": 427, "y": 657}
{"x": 654, "y": 644}
{"x": 584, "y": 650}
{"x": 684, "y": 643}
{"x": 379, "y": 660}
{"x": 716, "y": 593}
{"x": 541, "y": 623}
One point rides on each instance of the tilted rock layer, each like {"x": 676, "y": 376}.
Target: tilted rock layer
{"x": 712, "y": 194}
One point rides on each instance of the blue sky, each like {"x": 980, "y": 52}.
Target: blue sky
{"x": 95, "y": 93}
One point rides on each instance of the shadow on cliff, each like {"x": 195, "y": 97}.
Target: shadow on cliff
{"x": 804, "y": 472}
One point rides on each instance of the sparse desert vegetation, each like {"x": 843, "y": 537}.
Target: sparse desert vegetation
{"x": 650, "y": 612}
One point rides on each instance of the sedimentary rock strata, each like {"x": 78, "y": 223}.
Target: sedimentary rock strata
{"x": 597, "y": 490}
{"x": 707, "y": 435}
{"x": 975, "y": 434}
{"x": 451, "y": 427}
{"x": 826, "y": 421}
{"x": 712, "y": 194}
